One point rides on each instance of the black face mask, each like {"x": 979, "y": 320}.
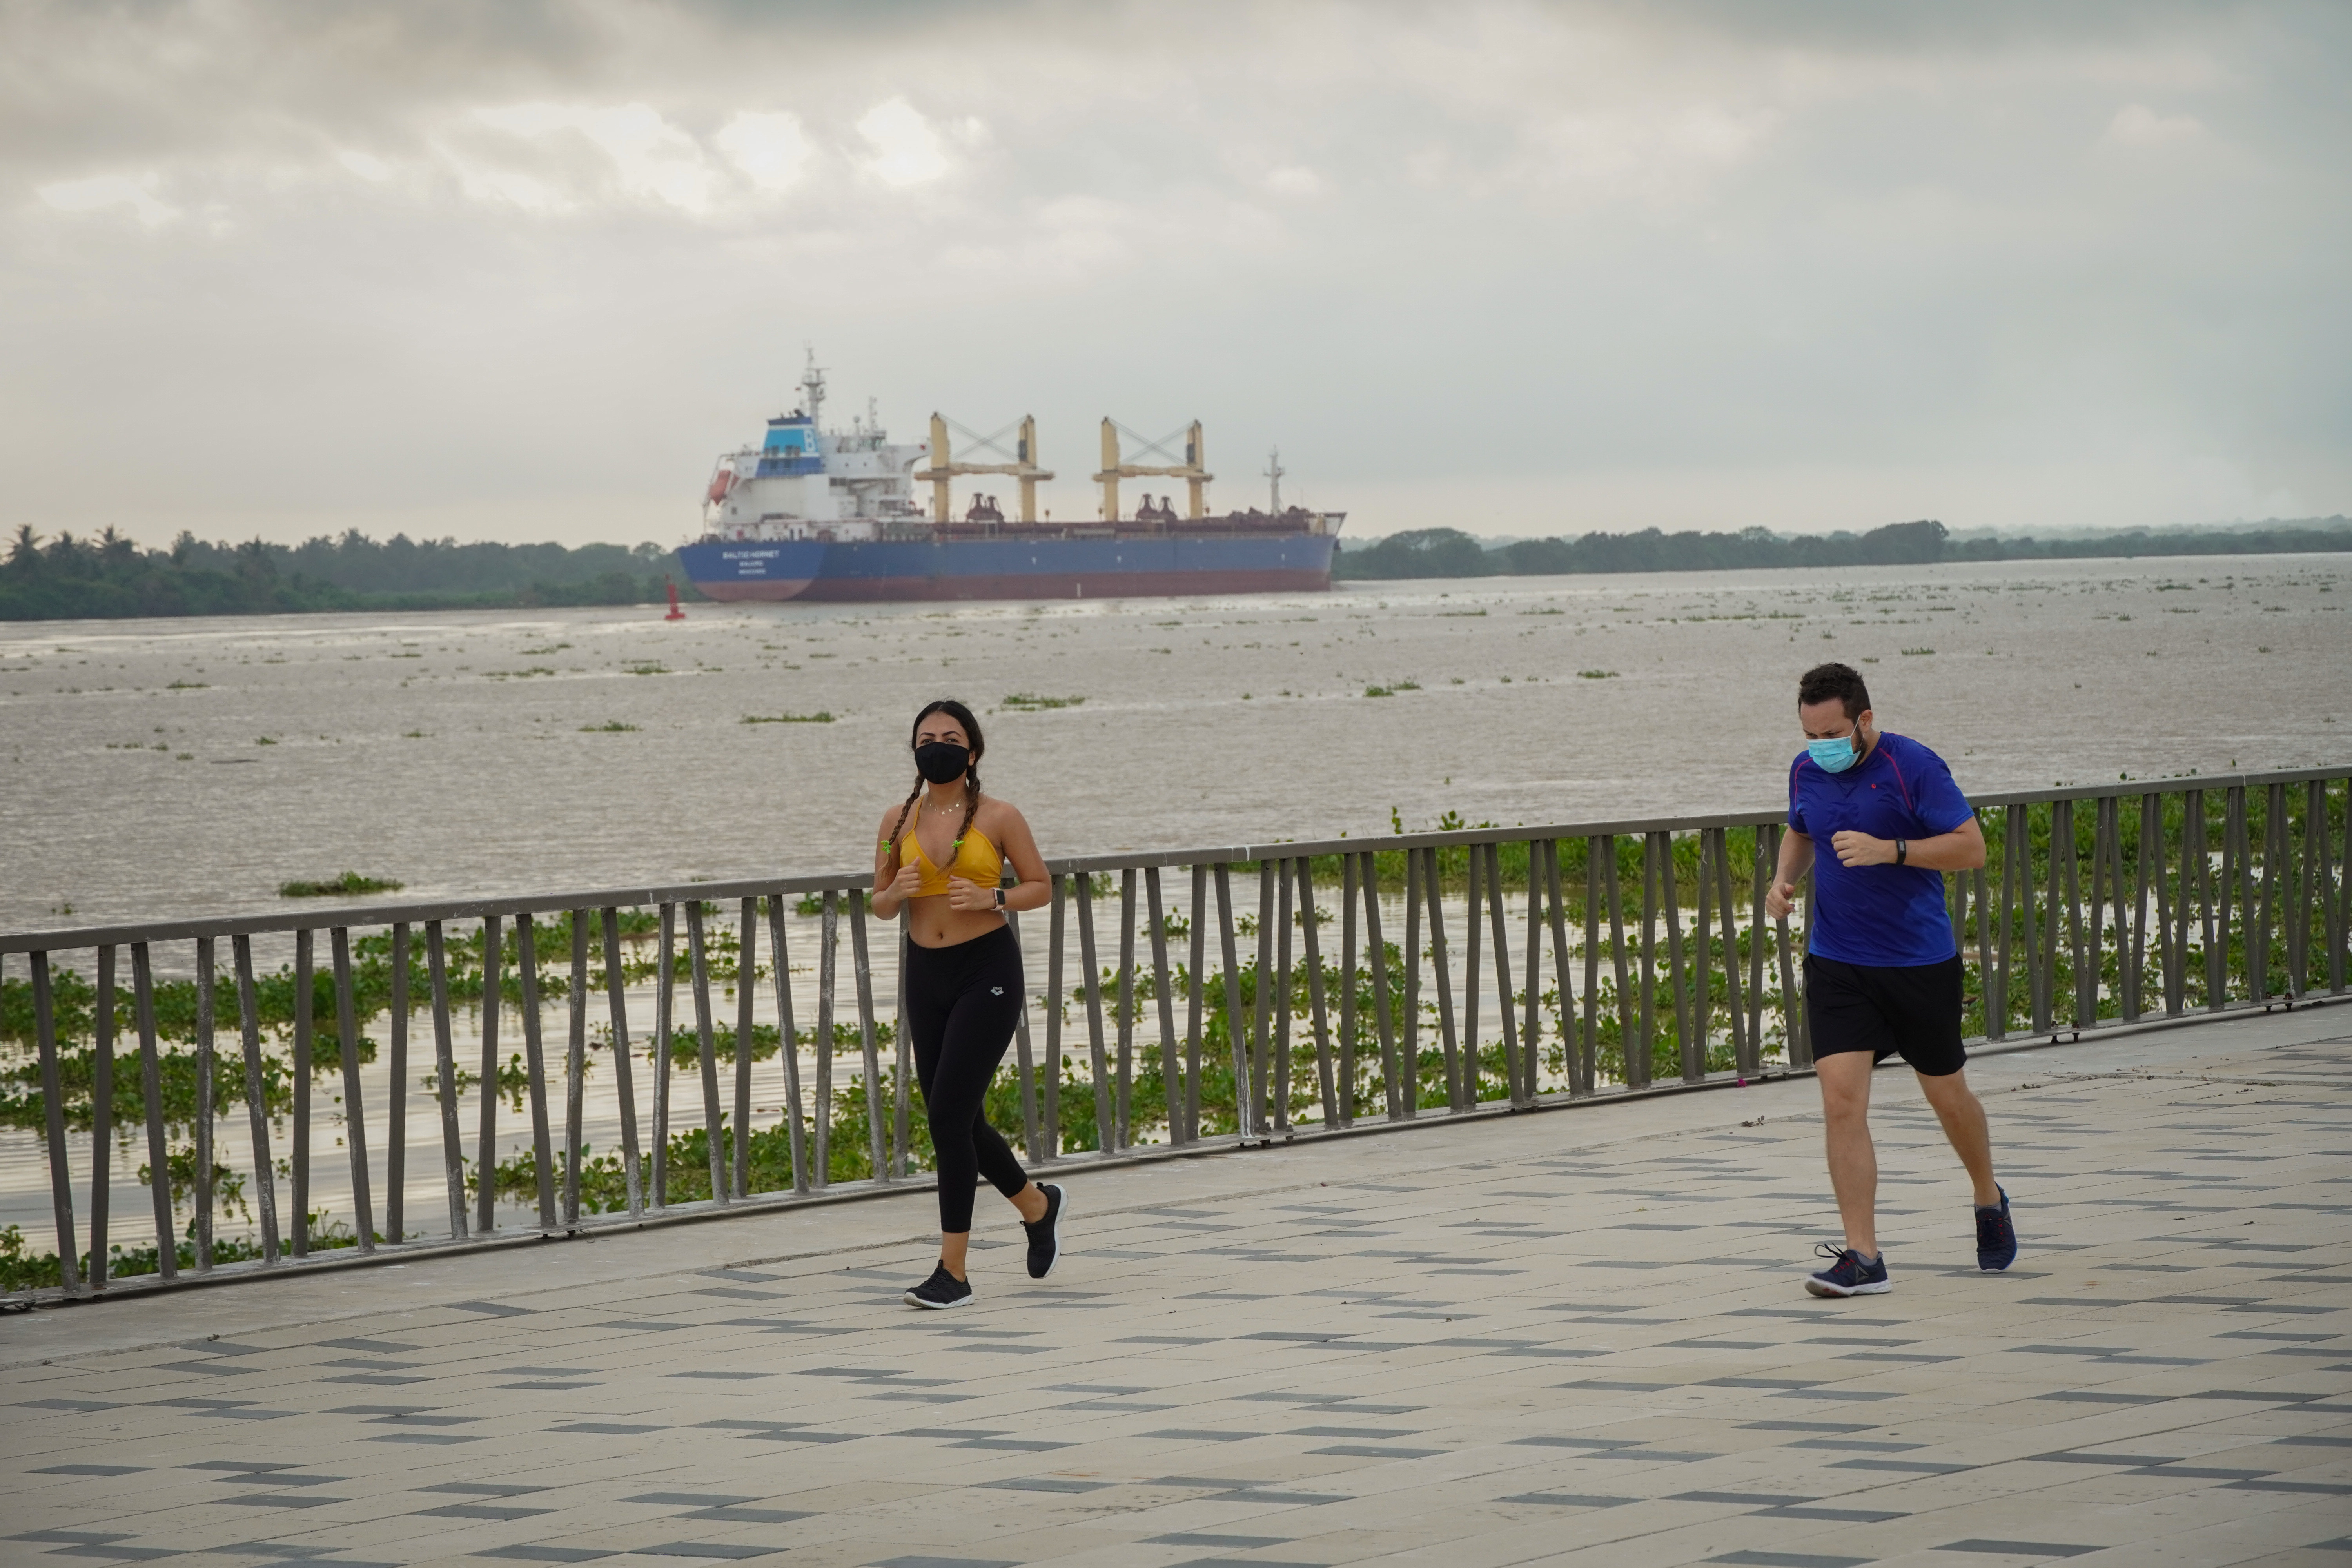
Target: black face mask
{"x": 941, "y": 761}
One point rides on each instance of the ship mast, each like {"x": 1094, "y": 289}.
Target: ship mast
{"x": 813, "y": 388}
{"x": 1274, "y": 471}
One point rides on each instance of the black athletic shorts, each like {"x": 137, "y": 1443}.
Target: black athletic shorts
{"x": 1911, "y": 1010}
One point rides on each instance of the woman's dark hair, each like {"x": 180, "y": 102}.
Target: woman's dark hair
{"x": 1841, "y": 681}
{"x": 961, "y": 715}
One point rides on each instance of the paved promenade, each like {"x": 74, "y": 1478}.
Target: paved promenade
{"x": 1575, "y": 1334}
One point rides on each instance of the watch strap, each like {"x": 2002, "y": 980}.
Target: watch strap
{"x": 1902, "y": 854}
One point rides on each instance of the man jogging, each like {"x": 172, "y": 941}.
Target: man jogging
{"x": 1882, "y": 969}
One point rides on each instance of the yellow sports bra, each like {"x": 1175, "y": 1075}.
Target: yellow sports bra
{"x": 975, "y": 860}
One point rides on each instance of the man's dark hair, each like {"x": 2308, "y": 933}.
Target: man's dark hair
{"x": 1841, "y": 681}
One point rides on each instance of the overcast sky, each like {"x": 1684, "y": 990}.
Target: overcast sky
{"x": 522, "y": 271}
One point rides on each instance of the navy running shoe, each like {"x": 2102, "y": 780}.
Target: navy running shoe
{"x": 941, "y": 1291}
{"x": 1848, "y": 1275}
{"x": 1045, "y": 1237}
{"x": 1996, "y": 1238}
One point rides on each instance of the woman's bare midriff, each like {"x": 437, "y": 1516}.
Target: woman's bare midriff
{"x": 933, "y": 923}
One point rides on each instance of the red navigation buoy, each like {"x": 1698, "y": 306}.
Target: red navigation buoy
{"x": 675, "y": 613}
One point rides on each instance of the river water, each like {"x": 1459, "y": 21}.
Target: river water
{"x": 163, "y": 768}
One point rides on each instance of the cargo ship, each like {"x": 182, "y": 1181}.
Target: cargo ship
{"x": 835, "y": 516}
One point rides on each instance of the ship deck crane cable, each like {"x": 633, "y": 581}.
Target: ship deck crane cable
{"x": 944, "y": 469}
{"x": 1190, "y": 471}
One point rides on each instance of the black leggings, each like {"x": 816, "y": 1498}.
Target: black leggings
{"x": 962, "y": 1003}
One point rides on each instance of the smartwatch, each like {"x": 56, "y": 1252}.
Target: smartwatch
{"x": 1000, "y": 897}
{"x": 1902, "y": 853}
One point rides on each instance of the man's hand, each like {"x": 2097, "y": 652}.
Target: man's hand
{"x": 1779, "y": 899}
{"x": 970, "y": 895}
{"x": 1861, "y": 850}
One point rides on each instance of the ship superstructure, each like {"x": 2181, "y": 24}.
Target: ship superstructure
{"x": 812, "y": 513}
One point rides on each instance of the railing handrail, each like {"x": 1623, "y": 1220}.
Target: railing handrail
{"x": 64, "y": 939}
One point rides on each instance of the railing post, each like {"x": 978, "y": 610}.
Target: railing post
{"x": 486, "y": 1148}
{"x": 624, "y": 1070}
{"x": 1643, "y": 1047}
{"x": 395, "y": 1107}
{"x": 1497, "y": 925}
{"x": 305, "y": 1024}
{"x": 1347, "y": 990}
{"x": 535, "y": 1060}
{"x": 1057, "y": 930}
{"x": 1459, "y": 1094}
{"x": 1172, "y": 1087}
{"x": 828, "y": 946}
{"x": 102, "y": 1126}
{"x": 714, "y": 1122}
{"x": 1311, "y": 943}
{"x": 1397, "y": 1091}
{"x": 1105, "y": 1127}
{"x": 1261, "y": 1052}
{"x": 1023, "y": 1050}
{"x": 788, "y": 1048}
{"x": 575, "y": 1067}
{"x": 354, "y": 1114}
{"x": 1123, "y": 1109}
{"x": 257, "y": 1101}
{"x": 1236, "y": 1018}
{"x": 747, "y": 991}
{"x": 870, "y": 1058}
{"x": 150, "y": 1090}
{"x": 1574, "y": 1060}
{"x": 665, "y": 1030}
{"x": 902, "y": 1104}
{"x": 45, "y": 1030}
{"x": 1280, "y": 1070}
{"x": 1694, "y": 1067}
{"x": 204, "y": 1087}
{"x": 445, "y": 1071}
{"x": 1594, "y": 853}
{"x": 1409, "y": 1042}
{"x": 1196, "y": 1001}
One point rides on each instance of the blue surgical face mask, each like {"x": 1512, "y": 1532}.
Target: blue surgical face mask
{"x": 1834, "y": 756}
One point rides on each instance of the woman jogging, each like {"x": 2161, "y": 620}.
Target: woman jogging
{"x": 942, "y": 859}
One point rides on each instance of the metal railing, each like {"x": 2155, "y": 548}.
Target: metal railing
{"x": 2098, "y": 908}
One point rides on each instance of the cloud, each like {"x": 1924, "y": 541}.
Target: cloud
{"x": 772, "y": 150}
{"x": 907, "y": 150}
{"x": 2137, "y": 125}
{"x": 1846, "y": 253}
{"x": 366, "y": 165}
{"x": 650, "y": 157}
{"x": 104, "y": 191}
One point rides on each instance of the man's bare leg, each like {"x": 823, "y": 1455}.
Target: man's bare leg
{"x": 1963, "y": 1116}
{"x": 1853, "y": 1159}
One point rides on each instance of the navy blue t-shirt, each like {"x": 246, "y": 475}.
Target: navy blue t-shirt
{"x": 1886, "y": 916}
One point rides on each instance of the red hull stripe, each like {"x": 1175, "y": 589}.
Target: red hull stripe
{"x": 1023, "y": 586}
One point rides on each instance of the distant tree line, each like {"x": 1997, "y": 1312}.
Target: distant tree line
{"x": 1450, "y": 552}
{"x": 107, "y": 576}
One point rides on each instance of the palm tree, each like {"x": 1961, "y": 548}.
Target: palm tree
{"x": 27, "y": 550}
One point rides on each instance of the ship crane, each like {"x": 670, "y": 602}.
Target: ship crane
{"x": 1190, "y": 470}
{"x": 1024, "y": 466}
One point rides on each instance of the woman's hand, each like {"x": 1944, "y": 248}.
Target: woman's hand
{"x": 906, "y": 883}
{"x": 969, "y": 894}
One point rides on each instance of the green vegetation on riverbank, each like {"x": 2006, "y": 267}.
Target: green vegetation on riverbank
{"x": 1449, "y": 552}
{"x": 109, "y": 577}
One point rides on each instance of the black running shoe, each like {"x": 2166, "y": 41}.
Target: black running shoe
{"x": 1044, "y": 1242}
{"x": 1996, "y": 1238}
{"x": 941, "y": 1291}
{"x": 1848, "y": 1275}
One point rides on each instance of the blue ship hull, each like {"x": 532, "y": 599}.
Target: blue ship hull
{"x": 1055, "y": 568}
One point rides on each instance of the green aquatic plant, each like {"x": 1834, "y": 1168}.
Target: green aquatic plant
{"x": 350, "y": 884}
